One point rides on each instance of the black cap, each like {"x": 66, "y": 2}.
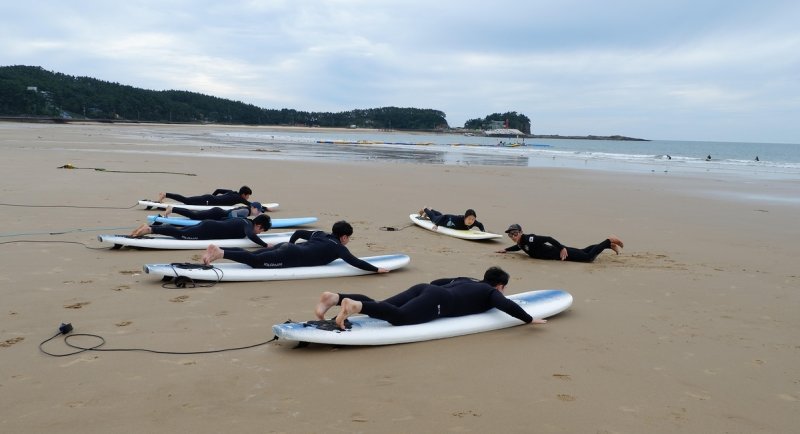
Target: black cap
{"x": 514, "y": 227}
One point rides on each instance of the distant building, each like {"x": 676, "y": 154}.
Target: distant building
{"x": 496, "y": 125}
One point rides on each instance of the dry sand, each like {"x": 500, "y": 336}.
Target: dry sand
{"x": 694, "y": 328}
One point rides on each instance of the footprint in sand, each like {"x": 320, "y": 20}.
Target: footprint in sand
{"x": 565, "y": 377}
{"x": 9, "y": 342}
{"x": 701, "y": 397}
{"x": 179, "y": 299}
{"x": 466, "y": 413}
{"x": 76, "y": 305}
{"x": 566, "y": 398}
{"x": 123, "y": 323}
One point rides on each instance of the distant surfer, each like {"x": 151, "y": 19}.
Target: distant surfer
{"x": 544, "y": 247}
{"x": 452, "y": 221}
{"x": 757, "y": 158}
{"x": 213, "y": 230}
{"x": 708, "y": 158}
{"x": 426, "y": 302}
{"x": 220, "y": 197}
{"x": 320, "y": 248}
{"x": 217, "y": 213}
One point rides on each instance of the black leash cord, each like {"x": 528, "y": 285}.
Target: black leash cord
{"x": 81, "y": 349}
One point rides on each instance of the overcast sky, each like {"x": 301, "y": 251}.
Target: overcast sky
{"x": 672, "y": 69}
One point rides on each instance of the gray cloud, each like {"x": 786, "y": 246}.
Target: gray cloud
{"x": 700, "y": 70}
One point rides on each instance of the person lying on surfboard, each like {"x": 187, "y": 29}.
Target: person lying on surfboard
{"x": 320, "y": 248}
{"x": 217, "y": 213}
{"x": 544, "y": 247}
{"x": 452, "y": 221}
{"x": 426, "y": 302}
{"x": 212, "y": 230}
{"x": 220, "y": 196}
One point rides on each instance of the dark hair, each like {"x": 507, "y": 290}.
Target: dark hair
{"x": 245, "y": 190}
{"x": 470, "y": 212}
{"x": 341, "y": 228}
{"x": 263, "y": 220}
{"x": 495, "y": 276}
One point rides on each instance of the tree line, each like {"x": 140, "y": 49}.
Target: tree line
{"x": 34, "y": 91}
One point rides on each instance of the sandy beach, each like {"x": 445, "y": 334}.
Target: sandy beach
{"x": 693, "y": 328}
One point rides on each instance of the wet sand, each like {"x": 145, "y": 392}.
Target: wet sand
{"x": 692, "y": 329}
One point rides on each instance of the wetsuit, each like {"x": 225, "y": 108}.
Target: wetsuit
{"x": 212, "y": 214}
{"x": 426, "y": 302}
{"x": 320, "y": 248}
{"x": 212, "y": 230}
{"x": 220, "y": 197}
{"x": 451, "y": 221}
{"x": 544, "y": 247}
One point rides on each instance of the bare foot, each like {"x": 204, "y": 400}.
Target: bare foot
{"x": 326, "y": 301}
{"x": 615, "y": 240}
{"x": 142, "y": 230}
{"x": 212, "y": 254}
{"x": 161, "y": 197}
{"x": 615, "y": 248}
{"x": 167, "y": 211}
{"x": 349, "y": 307}
{"x": 539, "y": 321}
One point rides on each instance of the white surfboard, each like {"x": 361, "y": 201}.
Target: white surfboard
{"x": 472, "y": 234}
{"x": 370, "y": 331}
{"x": 168, "y": 243}
{"x": 236, "y": 272}
{"x": 149, "y": 204}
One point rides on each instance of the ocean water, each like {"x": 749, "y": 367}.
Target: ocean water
{"x": 775, "y": 160}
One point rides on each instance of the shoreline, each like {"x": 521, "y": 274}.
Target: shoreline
{"x": 455, "y": 132}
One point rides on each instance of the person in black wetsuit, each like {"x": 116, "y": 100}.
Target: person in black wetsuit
{"x": 217, "y": 213}
{"x": 426, "y": 302}
{"x": 544, "y": 247}
{"x": 220, "y": 197}
{"x": 320, "y": 248}
{"x": 452, "y": 221}
{"x": 213, "y": 230}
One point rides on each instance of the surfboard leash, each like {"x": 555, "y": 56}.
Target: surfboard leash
{"x": 66, "y": 329}
{"x": 68, "y": 206}
{"x": 392, "y": 228}
{"x": 181, "y": 282}
{"x": 54, "y": 241}
{"x": 100, "y": 169}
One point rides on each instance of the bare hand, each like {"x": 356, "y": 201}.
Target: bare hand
{"x": 563, "y": 253}
{"x": 501, "y": 251}
{"x": 383, "y": 270}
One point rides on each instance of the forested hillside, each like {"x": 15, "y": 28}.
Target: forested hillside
{"x": 33, "y": 91}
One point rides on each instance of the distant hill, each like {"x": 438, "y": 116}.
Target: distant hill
{"x": 33, "y": 91}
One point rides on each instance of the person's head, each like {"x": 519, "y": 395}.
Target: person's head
{"x": 262, "y": 221}
{"x": 514, "y": 232}
{"x": 343, "y": 231}
{"x": 496, "y": 277}
{"x": 256, "y": 208}
{"x": 245, "y": 192}
{"x": 470, "y": 217}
